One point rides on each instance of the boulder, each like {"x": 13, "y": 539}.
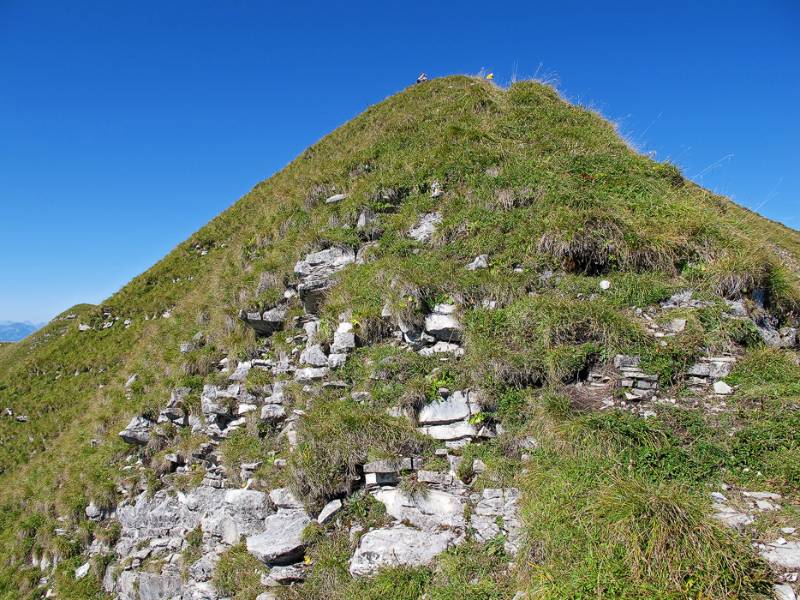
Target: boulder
{"x": 323, "y": 264}
{"x": 344, "y": 339}
{"x": 454, "y": 408}
{"x": 336, "y": 360}
{"x": 281, "y": 540}
{"x": 315, "y": 271}
{"x": 284, "y": 498}
{"x": 137, "y": 431}
{"x": 398, "y": 546}
{"x": 722, "y": 389}
{"x": 267, "y": 322}
{"x": 783, "y": 591}
{"x": 217, "y": 401}
{"x": 241, "y": 512}
{"x": 83, "y": 570}
{"x": 272, "y": 413}
{"x": 443, "y": 325}
{"x": 335, "y": 198}
{"x": 431, "y": 510}
{"x": 284, "y": 576}
{"x": 451, "y": 431}
{"x": 442, "y": 348}
{"x": 311, "y": 373}
{"x": 314, "y": 356}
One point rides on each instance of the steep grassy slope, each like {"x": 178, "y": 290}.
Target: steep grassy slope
{"x": 615, "y": 504}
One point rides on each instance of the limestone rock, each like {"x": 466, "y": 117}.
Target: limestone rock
{"x": 329, "y": 511}
{"x": 155, "y": 586}
{"x": 721, "y": 388}
{"x": 480, "y": 262}
{"x": 398, "y": 546}
{"x": 783, "y": 591}
{"x": 425, "y": 228}
{"x": 442, "y": 348}
{"x": 315, "y": 271}
{"x": 454, "y": 408}
{"x": 344, "y": 339}
{"x": 496, "y": 512}
{"x": 451, "y": 431}
{"x": 324, "y": 263}
{"x": 281, "y": 540}
{"x": 429, "y": 511}
{"x": 272, "y": 413}
{"x": 137, "y": 431}
{"x": 783, "y": 556}
{"x": 241, "y": 512}
{"x": 284, "y": 498}
{"x": 335, "y": 198}
{"x": 443, "y": 325}
{"x": 314, "y": 356}
{"x": 311, "y": 373}
{"x": 83, "y": 570}
{"x": 267, "y": 322}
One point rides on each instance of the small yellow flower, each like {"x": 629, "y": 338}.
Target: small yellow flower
{"x": 490, "y": 76}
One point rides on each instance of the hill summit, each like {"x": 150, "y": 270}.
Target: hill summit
{"x": 469, "y": 345}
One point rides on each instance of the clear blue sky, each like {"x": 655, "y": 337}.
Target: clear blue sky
{"x": 125, "y": 126}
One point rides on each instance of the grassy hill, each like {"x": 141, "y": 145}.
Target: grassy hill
{"x": 615, "y": 505}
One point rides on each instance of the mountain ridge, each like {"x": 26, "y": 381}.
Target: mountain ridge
{"x": 574, "y": 233}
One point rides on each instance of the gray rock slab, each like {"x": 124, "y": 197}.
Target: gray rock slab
{"x": 398, "y": 546}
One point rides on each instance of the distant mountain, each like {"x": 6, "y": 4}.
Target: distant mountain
{"x": 11, "y": 331}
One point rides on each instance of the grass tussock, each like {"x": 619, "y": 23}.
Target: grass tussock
{"x": 337, "y": 438}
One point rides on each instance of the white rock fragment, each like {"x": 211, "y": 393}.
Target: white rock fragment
{"x": 722, "y": 389}
{"x": 480, "y": 262}
{"x": 425, "y": 228}
{"x": 82, "y": 571}
{"x": 335, "y": 198}
{"x": 329, "y": 511}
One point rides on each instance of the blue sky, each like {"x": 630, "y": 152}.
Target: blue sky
{"x": 125, "y": 126}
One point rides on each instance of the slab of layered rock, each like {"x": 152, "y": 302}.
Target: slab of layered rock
{"x": 454, "y": 408}
{"x": 281, "y": 539}
{"x": 137, "y": 431}
{"x": 155, "y": 586}
{"x": 398, "y": 546}
{"x": 782, "y": 556}
{"x": 430, "y": 511}
{"x": 242, "y": 512}
{"x": 450, "y": 431}
{"x": 267, "y": 322}
{"x": 443, "y": 325}
{"x": 315, "y": 272}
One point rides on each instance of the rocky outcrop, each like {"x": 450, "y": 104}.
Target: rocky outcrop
{"x": 315, "y": 272}
{"x": 497, "y": 513}
{"x": 137, "y": 431}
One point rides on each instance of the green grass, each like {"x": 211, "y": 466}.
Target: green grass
{"x": 530, "y": 180}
